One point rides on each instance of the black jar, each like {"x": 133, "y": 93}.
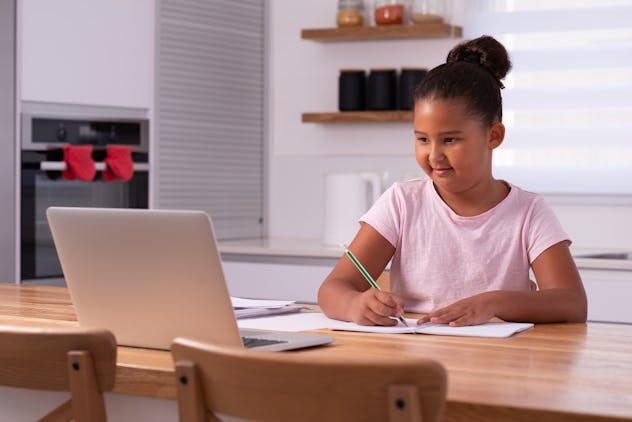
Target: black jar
{"x": 408, "y": 81}
{"x": 382, "y": 89}
{"x": 352, "y": 90}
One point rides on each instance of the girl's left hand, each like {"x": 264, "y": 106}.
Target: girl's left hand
{"x": 473, "y": 310}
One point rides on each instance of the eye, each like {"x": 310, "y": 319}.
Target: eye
{"x": 450, "y": 140}
{"x": 422, "y": 140}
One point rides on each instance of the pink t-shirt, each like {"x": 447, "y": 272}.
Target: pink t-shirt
{"x": 441, "y": 257}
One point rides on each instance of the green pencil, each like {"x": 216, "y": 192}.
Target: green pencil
{"x": 366, "y": 275}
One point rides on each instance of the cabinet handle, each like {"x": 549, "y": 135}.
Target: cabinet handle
{"x": 100, "y": 166}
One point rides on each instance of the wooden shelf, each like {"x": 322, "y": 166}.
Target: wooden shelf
{"x": 364, "y": 33}
{"x": 384, "y": 32}
{"x": 359, "y": 117}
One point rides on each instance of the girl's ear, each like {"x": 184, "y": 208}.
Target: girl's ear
{"x": 496, "y": 135}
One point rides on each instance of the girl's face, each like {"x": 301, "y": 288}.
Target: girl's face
{"x": 453, "y": 148}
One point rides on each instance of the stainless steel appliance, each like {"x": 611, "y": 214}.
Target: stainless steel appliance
{"x": 45, "y": 129}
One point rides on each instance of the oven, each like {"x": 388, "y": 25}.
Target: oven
{"x": 43, "y": 135}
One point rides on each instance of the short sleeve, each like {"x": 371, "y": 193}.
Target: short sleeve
{"x": 385, "y": 216}
{"x": 544, "y": 229}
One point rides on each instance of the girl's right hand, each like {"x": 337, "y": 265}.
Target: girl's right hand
{"x": 376, "y": 307}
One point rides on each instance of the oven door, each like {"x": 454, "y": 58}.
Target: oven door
{"x": 42, "y": 188}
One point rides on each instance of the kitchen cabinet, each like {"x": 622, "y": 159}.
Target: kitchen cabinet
{"x": 368, "y": 33}
{"x": 289, "y": 280}
{"x": 609, "y": 293}
{"x": 293, "y": 269}
{"x": 277, "y": 268}
{"x": 8, "y": 130}
{"x": 97, "y": 53}
{"x": 210, "y": 108}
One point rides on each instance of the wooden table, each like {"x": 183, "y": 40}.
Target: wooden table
{"x": 554, "y": 372}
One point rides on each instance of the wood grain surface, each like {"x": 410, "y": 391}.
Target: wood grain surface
{"x": 382, "y": 32}
{"x": 553, "y": 372}
{"x": 358, "y": 117}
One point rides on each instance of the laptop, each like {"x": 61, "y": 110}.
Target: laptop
{"x": 152, "y": 275}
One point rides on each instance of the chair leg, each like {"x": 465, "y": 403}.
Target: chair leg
{"x": 404, "y": 403}
{"x": 62, "y": 413}
{"x": 87, "y": 399}
{"x": 191, "y": 406}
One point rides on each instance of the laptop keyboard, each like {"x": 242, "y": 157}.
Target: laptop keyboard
{"x": 258, "y": 342}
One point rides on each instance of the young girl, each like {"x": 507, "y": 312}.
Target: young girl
{"x": 461, "y": 242}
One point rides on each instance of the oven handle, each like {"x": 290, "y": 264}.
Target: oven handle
{"x": 100, "y": 166}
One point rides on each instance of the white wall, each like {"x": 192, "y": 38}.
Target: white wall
{"x": 302, "y": 77}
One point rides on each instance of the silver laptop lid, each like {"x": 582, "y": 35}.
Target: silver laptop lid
{"x": 146, "y": 275}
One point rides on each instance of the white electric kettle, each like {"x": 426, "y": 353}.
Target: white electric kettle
{"x": 347, "y": 197}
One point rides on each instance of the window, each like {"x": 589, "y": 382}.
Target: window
{"x": 568, "y": 101}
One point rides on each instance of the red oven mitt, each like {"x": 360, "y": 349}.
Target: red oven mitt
{"x": 79, "y": 163}
{"x": 119, "y": 164}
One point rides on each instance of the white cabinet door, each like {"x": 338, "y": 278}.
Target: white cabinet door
{"x": 98, "y": 52}
{"x": 609, "y": 292}
{"x": 275, "y": 281}
{"x": 609, "y": 295}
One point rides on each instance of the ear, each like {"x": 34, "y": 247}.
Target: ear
{"x": 496, "y": 135}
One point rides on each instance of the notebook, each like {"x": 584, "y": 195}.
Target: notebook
{"x": 152, "y": 275}
{"x": 489, "y": 329}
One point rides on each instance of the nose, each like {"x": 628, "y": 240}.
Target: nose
{"x": 436, "y": 153}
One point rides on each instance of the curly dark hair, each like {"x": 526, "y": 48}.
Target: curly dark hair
{"x": 473, "y": 71}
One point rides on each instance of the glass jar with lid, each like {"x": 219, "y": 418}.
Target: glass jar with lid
{"x": 350, "y": 13}
{"x": 391, "y": 12}
{"x": 428, "y": 11}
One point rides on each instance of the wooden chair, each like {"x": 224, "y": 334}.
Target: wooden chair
{"x": 77, "y": 360}
{"x": 290, "y": 386}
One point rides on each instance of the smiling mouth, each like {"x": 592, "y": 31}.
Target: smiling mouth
{"x": 442, "y": 171}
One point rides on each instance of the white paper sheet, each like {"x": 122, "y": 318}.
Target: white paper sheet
{"x": 400, "y": 328}
{"x": 316, "y": 320}
{"x": 294, "y": 322}
{"x": 239, "y": 302}
{"x": 265, "y": 312}
{"x": 490, "y": 329}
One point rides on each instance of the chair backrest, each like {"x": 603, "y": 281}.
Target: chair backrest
{"x": 277, "y": 386}
{"x": 82, "y": 361}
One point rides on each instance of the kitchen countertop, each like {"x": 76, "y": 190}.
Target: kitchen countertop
{"x": 603, "y": 264}
{"x": 314, "y": 248}
{"x": 279, "y": 246}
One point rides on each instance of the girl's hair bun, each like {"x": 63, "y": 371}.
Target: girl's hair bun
{"x": 486, "y": 52}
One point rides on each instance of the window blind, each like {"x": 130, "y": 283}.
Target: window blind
{"x": 209, "y": 111}
{"x": 568, "y": 98}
